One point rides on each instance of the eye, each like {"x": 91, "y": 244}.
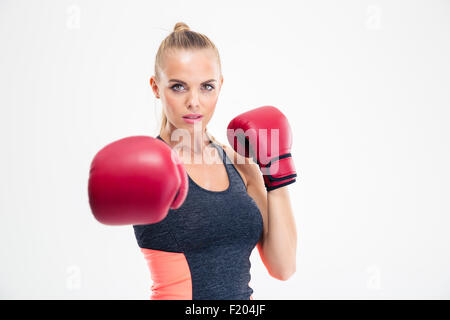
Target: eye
{"x": 208, "y": 85}
{"x": 175, "y": 86}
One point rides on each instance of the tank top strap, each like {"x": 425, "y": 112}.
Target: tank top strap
{"x": 236, "y": 181}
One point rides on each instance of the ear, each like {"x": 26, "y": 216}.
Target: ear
{"x": 154, "y": 86}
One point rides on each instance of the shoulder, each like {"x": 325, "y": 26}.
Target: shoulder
{"x": 248, "y": 169}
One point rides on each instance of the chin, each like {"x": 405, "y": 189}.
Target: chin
{"x": 190, "y": 128}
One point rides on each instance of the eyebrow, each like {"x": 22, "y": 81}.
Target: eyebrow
{"x": 176, "y": 80}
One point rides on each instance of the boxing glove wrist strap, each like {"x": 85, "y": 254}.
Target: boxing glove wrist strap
{"x": 278, "y": 172}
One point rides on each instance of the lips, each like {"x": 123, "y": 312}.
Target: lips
{"x": 192, "y": 116}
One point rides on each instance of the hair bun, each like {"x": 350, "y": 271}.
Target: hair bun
{"x": 180, "y": 26}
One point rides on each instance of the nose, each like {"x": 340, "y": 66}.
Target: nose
{"x": 193, "y": 102}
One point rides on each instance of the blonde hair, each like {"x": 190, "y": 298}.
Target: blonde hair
{"x": 182, "y": 37}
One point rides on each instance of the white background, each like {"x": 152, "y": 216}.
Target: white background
{"x": 365, "y": 85}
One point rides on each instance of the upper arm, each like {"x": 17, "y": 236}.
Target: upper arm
{"x": 257, "y": 190}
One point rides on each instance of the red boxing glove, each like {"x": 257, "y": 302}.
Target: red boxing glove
{"x": 136, "y": 180}
{"x": 265, "y": 135}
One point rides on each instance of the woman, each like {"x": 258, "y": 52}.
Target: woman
{"x": 201, "y": 250}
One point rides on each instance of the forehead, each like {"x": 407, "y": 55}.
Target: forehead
{"x": 191, "y": 65}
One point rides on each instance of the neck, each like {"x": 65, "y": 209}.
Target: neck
{"x": 193, "y": 142}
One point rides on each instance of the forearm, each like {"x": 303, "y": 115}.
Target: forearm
{"x": 279, "y": 245}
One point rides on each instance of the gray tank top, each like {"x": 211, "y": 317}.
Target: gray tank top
{"x": 217, "y": 231}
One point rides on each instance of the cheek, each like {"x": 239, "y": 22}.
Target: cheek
{"x": 171, "y": 98}
{"x": 209, "y": 100}
{"x": 173, "y": 104}
{"x": 210, "y": 112}
{"x": 208, "y": 103}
